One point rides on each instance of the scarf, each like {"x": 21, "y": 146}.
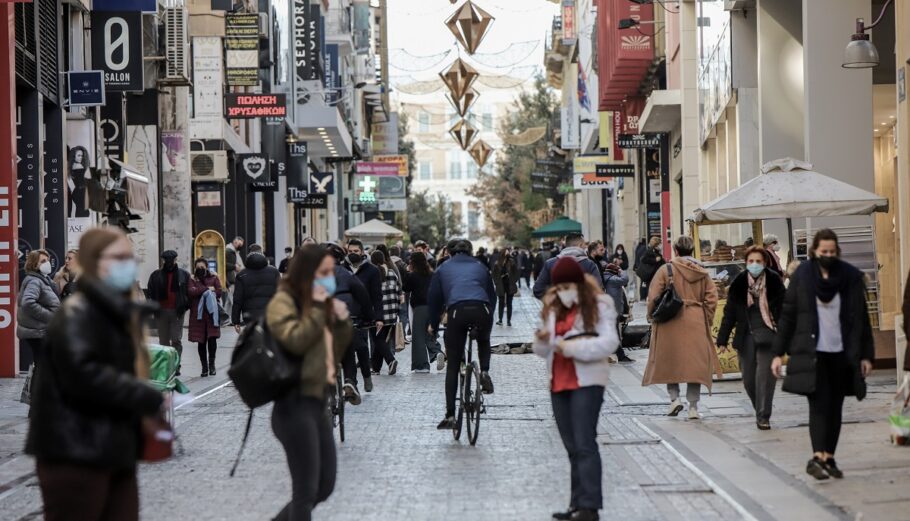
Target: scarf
{"x": 758, "y": 290}
{"x": 826, "y": 289}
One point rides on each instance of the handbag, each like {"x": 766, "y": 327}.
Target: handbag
{"x": 158, "y": 440}
{"x": 262, "y": 371}
{"x": 668, "y": 303}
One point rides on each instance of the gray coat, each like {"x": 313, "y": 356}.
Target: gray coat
{"x": 615, "y": 285}
{"x": 37, "y": 303}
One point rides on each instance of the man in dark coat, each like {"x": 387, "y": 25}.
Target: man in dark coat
{"x": 574, "y": 248}
{"x": 253, "y": 289}
{"x": 167, "y": 286}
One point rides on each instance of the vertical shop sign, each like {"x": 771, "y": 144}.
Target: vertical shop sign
{"x": 241, "y": 44}
{"x": 301, "y": 41}
{"x": 117, "y": 49}
{"x": 569, "y": 33}
{"x": 665, "y": 191}
{"x": 332, "y": 74}
{"x": 297, "y": 178}
{"x": 112, "y": 132}
{"x": 54, "y": 192}
{"x": 652, "y": 188}
{"x": 313, "y": 39}
{"x": 617, "y": 130}
{"x": 28, "y": 138}
{"x": 208, "y": 88}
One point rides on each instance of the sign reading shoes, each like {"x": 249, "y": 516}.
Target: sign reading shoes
{"x": 117, "y": 49}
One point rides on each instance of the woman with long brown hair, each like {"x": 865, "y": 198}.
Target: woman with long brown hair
{"x": 505, "y": 279}
{"x": 88, "y": 405}
{"x": 424, "y": 347}
{"x": 307, "y": 322}
{"x": 577, "y": 336}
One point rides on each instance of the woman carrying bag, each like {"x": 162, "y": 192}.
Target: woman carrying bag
{"x": 505, "y": 279}
{"x": 307, "y": 322}
{"x": 753, "y": 308}
{"x": 577, "y": 336}
{"x": 204, "y": 291}
{"x": 825, "y": 328}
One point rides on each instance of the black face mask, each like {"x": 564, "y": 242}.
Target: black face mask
{"x": 355, "y": 258}
{"x": 828, "y": 262}
{"x": 170, "y": 264}
{"x": 200, "y": 272}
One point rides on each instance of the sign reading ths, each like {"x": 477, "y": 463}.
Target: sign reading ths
{"x": 638, "y": 141}
{"x": 117, "y": 49}
{"x": 615, "y": 170}
{"x": 298, "y": 182}
{"x": 85, "y": 88}
{"x": 251, "y": 106}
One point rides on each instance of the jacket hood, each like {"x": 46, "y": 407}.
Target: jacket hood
{"x": 256, "y": 261}
{"x": 688, "y": 269}
{"x": 574, "y": 251}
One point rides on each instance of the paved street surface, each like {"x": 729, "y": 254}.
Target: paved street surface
{"x": 395, "y": 465}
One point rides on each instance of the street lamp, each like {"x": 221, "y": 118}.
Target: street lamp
{"x": 861, "y": 52}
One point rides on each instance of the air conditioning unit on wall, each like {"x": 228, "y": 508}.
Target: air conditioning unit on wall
{"x": 210, "y": 165}
{"x": 176, "y": 46}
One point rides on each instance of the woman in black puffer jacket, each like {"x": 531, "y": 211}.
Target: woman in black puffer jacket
{"x": 90, "y": 399}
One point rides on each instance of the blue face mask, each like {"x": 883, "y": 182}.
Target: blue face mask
{"x": 328, "y": 283}
{"x": 755, "y": 269}
{"x": 121, "y": 275}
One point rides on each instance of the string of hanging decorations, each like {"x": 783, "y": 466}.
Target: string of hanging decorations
{"x": 511, "y": 56}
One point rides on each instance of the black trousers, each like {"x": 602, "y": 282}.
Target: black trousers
{"x": 460, "y": 317}
{"x": 170, "y": 329}
{"x": 505, "y": 304}
{"x": 301, "y": 425}
{"x": 72, "y": 491}
{"x": 207, "y": 361}
{"x": 832, "y": 380}
{"x": 576, "y": 415}
{"x": 357, "y": 356}
{"x": 382, "y": 341}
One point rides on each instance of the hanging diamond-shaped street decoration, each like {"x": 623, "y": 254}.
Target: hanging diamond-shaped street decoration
{"x": 481, "y": 151}
{"x": 469, "y": 24}
{"x": 464, "y": 133}
{"x": 458, "y": 78}
{"x": 464, "y": 104}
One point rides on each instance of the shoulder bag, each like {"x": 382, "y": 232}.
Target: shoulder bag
{"x": 668, "y": 303}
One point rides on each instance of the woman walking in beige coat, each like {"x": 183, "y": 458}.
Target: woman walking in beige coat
{"x": 682, "y": 350}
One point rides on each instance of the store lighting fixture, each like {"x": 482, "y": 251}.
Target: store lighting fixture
{"x": 861, "y": 53}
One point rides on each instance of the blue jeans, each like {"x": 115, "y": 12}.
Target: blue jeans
{"x": 576, "y": 415}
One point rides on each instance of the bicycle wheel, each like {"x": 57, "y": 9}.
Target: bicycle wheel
{"x": 339, "y": 390}
{"x": 464, "y": 382}
{"x": 475, "y": 405}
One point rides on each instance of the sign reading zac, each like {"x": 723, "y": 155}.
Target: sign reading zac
{"x": 249, "y": 106}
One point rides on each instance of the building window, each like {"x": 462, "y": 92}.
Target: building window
{"x": 488, "y": 121}
{"x": 454, "y": 160}
{"x": 423, "y": 121}
{"x": 426, "y": 170}
{"x": 471, "y": 168}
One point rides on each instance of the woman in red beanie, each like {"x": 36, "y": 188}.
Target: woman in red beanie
{"x": 577, "y": 336}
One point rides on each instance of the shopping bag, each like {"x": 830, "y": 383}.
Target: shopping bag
{"x": 900, "y": 414}
{"x": 26, "y": 395}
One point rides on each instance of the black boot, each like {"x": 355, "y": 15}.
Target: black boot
{"x": 212, "y": 366}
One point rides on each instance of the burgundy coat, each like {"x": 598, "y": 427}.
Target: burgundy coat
{"x": 202, "y": 330}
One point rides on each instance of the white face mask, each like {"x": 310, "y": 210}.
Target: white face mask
{"x": 568, "y": 297}
{"x": 776, "y": 247}
{"x": 45, "y": 268}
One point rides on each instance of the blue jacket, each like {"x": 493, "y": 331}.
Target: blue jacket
{"x": 461, "y": 279}
{"x": 542, "y": 283}
{"x": 209, "y": 304}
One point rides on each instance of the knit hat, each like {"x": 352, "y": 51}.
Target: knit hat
{"x": 567, "y": 270}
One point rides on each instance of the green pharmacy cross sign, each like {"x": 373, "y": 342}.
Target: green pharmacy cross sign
{"x": 368, "y": 190}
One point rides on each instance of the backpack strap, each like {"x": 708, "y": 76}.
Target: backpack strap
{"x": 246, "y": 434}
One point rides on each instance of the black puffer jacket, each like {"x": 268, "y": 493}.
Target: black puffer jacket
{"x": 158, "y": 289}
{"x": 736, "y": 311}
{"x": 254, "y": 288}
{"x": 87, "y": 402}
{"x": 797, "y": 331}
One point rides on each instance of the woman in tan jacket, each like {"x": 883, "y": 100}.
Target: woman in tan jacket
{"x": 681, "y": 348}
{"x": 306, "y": 321}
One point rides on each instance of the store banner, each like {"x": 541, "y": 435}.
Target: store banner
{"x": 301, "y": 41}
{"x": 322, "y": 183}
{"x": 591, "y": 182}
{"x": 314, "y": 38}
{"x": 365, "y": 189}
{"x": 85, "y": 88}
{"x": 400, "y": 160}
{"x": 208, "y": 88}
{"x": 652, "y": 175}
{"x": 313, "y": 202}
{"x": 632, "y": 108}
{"x": 142, "y": 144}
{"x": 332, "y": 73}
{"x": 146, "y": 6}
{"x": 569, "y": 32}
{"x": 385, "y": 136}
{"x": 617, "y": 130}
{"x": 631, "y": 45}
{"x": 252, "y": 106}
{"x": 241, "y": 44}
{"x": 28, "y": 175}
{"x": 605, "y": 130}
{"x": 588, "y": 164}
{"x": 117, "y": 49}
{"x": 376, "y": 168}
{"x": 615, "y": 170}
{"x": 638, "y": 140}
{"x": 254, "y": 171}
{"x": 54, "y": 185}
{"x": 298, "y": 170}
{"x": 113, "y": 137}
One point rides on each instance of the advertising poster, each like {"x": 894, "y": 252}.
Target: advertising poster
{"x": 142, "y": 142}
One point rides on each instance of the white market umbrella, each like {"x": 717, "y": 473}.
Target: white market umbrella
{"x": 372, "y": 229}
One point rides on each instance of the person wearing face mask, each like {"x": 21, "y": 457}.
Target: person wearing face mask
{"x": 307, "y": 322}
{"x": 682, "y": 350}
{"x": 286, "y": 261}
{"x": 205, "y": 292}
{"x": 85, "y": 430}
{"x": 168, "y": 287}
{"x": 36, "y": 304}
{"x": 825, "y": 328}
{"x": 620, "y": 251}
{"x": 753, "y": 308}
{"x": 577, "y": 335}
{"x": 772, "y": 245}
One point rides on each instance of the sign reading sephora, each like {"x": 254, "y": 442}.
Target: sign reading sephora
{"x": 117, "y": 49}
{"x": 301, "y": 39}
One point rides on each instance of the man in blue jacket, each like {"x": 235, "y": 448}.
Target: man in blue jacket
{"x": 574, "y": 248}
{"x": 462, "y": 287}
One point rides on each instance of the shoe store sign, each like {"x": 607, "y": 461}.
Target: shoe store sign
{"x": 117, "y": 49}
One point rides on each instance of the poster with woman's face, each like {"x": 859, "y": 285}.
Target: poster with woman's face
{"x": 80, "y": 159}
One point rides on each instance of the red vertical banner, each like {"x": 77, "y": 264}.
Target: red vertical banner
{"x": 632, "y": 107}
{"x": 617, "y": 130}
{"x": 9, "y": 263}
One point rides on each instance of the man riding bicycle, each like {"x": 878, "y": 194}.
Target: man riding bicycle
{"x": 463, "y": 288}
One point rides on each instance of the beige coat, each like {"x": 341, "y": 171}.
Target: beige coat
{"x": 682, "y": 350}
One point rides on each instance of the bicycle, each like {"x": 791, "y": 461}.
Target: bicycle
{"x": 336, "y": 402}
{"x": 470, "y": 395}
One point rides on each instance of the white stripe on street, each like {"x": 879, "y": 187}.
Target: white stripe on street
{"x": 203, "y": 395}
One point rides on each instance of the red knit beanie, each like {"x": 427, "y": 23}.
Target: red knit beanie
{"x": 567, "y": 270}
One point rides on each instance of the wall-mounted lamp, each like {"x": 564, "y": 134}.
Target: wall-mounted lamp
{"x": 861, "y": 52}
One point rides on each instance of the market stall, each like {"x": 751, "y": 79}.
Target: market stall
{"x": 373, "y": 230}
{"x": 559, "y": 227}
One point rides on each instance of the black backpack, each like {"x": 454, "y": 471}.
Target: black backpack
{"x": 262, "y": 371}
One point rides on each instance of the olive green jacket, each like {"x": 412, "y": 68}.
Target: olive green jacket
{"x": 304, "y": 336}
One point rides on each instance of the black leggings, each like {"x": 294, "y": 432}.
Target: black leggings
{"x": 460, "y": 317}
{"x": 505, "y": 304}
{"x": 832, "y": 381}
{"x": 382, "y": 341}
{"x": 361, "y": 351}
{"x": 212, "y": 347}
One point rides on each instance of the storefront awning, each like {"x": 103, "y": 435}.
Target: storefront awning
{"x": 558, "y": 227}
{"x": 324, "y": 129}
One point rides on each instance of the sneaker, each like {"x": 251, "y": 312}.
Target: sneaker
{"x": 486, "y": 383}
{"x": 421, "y": 371}
{"x": 351, "y": 395}
{"x": 393, "y": 367}
{"x": 446, "y": 424}
{"x": 816, "y": 469}
{"x": 693, "y": 412}
{"x": 585, "y": 515}
{"x": 440, "y": 362}
{"x": 564, "y": 516}
{"x": 499, "y": 322}
{"x": 763, "y": 425}
{"x": 368, "y": 385}
{"x": 831, "y": 468}
{"x": 624, "y": 359}
{"x": 676, "y": 407}
{"x": 374, "y": 372}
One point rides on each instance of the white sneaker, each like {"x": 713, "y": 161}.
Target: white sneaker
{"x": 675, "y": 407}
{"x": 421, "y": 371}
{"x": 693, "y": 413}
{"x": 440, "y": 362}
